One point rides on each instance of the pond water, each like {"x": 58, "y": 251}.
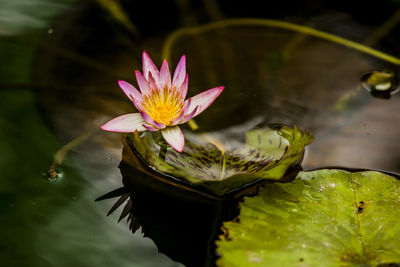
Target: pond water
{"x": 60, "y": 62}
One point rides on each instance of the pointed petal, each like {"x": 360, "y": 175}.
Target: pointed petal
{"x": 184, "y": 88}
{"x": 142, "y": 82}
{"x": 125, "y": 124}
{"x": 165, "y": 76}
{"x": 174, "y": 137}
{"x": 183, "y": 113}
{"x": 150, "y": 121}
{"x": 180, "y": 72}
{"x": 131, "y": 92}
{"x": 204, "y": 99}
{"x": 152, "y": 83}
{"x": 189, "y": 116}
{"x": 149, "y": 66}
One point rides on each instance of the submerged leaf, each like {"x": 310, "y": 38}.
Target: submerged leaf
{"x": 328, "y": 217}
{"x": 221, "y": 166}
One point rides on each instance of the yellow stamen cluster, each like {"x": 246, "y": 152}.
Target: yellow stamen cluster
{"x": 163, "y": 106}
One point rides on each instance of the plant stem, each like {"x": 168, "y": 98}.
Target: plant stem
{"x": 166, "y": 52}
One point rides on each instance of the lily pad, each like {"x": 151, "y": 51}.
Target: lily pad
{"x": 220, "y": 165}
{"x": 324, "y": 217}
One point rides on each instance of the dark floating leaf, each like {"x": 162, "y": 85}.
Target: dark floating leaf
{"x": 326, "y": 216}
{"x": 220, "y": 166}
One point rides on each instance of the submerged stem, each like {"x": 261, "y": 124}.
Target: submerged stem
{"x": 60, "y": 155}
{"x": 163, "y": 152}
{"x": 166, "y": 52}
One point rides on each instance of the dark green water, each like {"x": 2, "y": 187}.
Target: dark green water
{"x": 59, "y": 62}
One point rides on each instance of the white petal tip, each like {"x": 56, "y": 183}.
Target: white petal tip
{"x": 127, "y": 123}
{"x": 104, "y": 127}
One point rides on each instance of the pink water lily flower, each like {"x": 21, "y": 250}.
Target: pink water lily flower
{"x": 161, "y": 102}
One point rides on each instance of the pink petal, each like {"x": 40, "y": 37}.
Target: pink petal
{"x": 184, "y": 88}
{"x": 150, "y": 121}
{"x": 165, "y": 76}
{"x": 152, "y": 83}
{"x": 180, "y": 72}
{"x": 149, "y": 66}
{"x": 131, "y": 92}
{"x": 189, "y": 116}
{"x": 125, "y": 124}
{"x": 150, "y": 128}
{"x": 204, "y": 100}
{"x": 174, "y": 137}
{"x": 142, "y": 82}
{"x": 183, "y": 112}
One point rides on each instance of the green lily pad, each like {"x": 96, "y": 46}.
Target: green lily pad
{"x": 323, "y": 218}
{"x": 221, "y": 166}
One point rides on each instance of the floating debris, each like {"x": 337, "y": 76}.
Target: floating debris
{"x": 54, "y": 174}
{"x": 380, "y": 84}
{"x": 360, "y": 207}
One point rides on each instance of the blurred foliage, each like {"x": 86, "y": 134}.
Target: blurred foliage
{"x": 119, "y": 14}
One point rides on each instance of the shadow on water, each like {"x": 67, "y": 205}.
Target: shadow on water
{"x": 182, "y": 225}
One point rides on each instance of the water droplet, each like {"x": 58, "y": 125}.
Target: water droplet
{"x": 380, "y": 84}
{"x": 54, "y": 174}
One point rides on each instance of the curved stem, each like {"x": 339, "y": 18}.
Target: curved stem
{"x": 166, "y": 52}
{"x": 60, "y": 155}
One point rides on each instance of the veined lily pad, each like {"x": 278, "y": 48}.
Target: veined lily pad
{"x": 323, "y": 218}
{"x": 222, "y": 166}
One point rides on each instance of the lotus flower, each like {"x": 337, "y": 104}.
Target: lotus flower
{"x": 161, "y": 102}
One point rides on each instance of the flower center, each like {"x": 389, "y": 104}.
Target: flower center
{"x": 163, "y": 106}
